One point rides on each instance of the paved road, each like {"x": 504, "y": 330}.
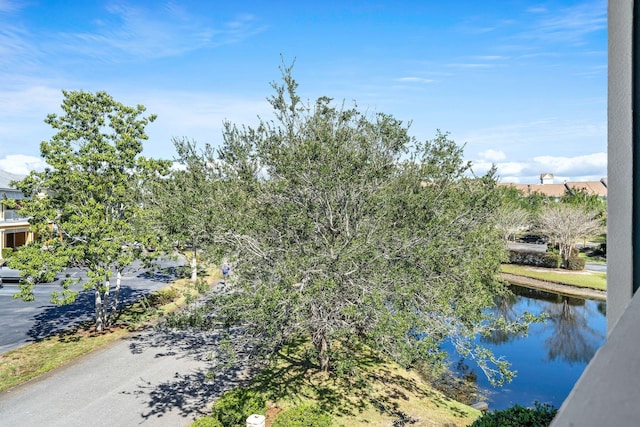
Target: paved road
{"x": 24, "y": 322}
{"x": 594, "y": 266}
{"x": 153, "y": 378}
{"x": 527, "y": 247}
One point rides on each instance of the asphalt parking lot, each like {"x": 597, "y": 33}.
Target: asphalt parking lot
{"x": 23, "y": 322}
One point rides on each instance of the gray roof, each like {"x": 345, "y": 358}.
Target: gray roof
{"x": 6, "y": 178}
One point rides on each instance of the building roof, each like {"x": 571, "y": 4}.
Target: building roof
{"x": 591, "y": 187}
{"x": 7, "y": 177}
{"x": 551, "y": 190}
{"x": 598, "y": 188}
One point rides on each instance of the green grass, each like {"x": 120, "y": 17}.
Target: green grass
{"x": 29, "y": 361}
{"x": 587, "y": 258}
{"x": 373, "y": 392}
{"x": 584, "y": 279}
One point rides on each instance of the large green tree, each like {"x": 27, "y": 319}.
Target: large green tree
{"x": 353, "y": 232}
{"x": 86, "y": 206}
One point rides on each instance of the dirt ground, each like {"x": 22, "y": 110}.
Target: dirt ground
{"x": 555, "y": 287}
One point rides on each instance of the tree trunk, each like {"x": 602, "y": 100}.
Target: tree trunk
{"x": 320, "y": 343}
{"x": 116, "y": 297}
{"x": 194, "y": 267}
{"x": 105, "y": 301}
{"x": 99, "y": 310}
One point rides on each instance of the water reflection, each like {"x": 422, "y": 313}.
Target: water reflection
{"x": 550, "y": 359}
{"x": 504, "y": 308}
{"x": 572, "y": 339}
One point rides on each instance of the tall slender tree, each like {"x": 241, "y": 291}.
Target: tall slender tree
{"x": 86, "y": 206}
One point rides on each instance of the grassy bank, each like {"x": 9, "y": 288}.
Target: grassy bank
{"x": 29, "y": 361}
{"x": 585, "y": 279}
{"x": 370, "y": 392}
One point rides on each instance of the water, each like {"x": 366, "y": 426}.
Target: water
{"x": 552, "y": 357}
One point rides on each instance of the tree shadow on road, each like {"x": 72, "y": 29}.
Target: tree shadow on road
{"x": 163, "y": 275}
{"x": 56, "y": 319}
{"x": 190, "y": 392}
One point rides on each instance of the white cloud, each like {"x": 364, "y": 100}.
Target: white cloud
{"x": 492, "y": 155}
{"x": 20, "y": 164}
{"x": 589, "y": 167}
{"x": 580, "y": 165}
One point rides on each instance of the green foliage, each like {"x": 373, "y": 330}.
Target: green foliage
{"x": 202, "y": 286}
{"x": 235, "y": 406}
{"x": 207, "y": 422}
{"x": 532, "y": 202}
{"x": 86, "y": 207}
{"x": 350, "y": 227}
{"x": 302, "y": 416}
{"x": 163, "y": 296}
{"x": 575, "y": 263}
{"x": 186, "y": 204}
{"x": 6, "y": 253}
{"x": 582, "y": 198}
{"x": 192, "y": 317}
{"x": 547, "y": 259}
{"x": 552, "y": 260}
{"x": 517, "y": 416}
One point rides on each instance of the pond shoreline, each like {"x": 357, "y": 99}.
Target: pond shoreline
{"x": 559, "y": 288}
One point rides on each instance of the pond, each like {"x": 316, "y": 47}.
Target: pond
{"x": 551, "y": 358}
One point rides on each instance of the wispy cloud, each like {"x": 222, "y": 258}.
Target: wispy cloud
{"x": 541, "y": 133}
{"x": 414, "y": 80}
{"x": 17, "y": 52}
{"x": 10, "y": 5}
{"x": 569, "y": 25}
{"x": 470, "y": 65}
{"x": 131, "y": 32}
{"x": 537, "y": 9}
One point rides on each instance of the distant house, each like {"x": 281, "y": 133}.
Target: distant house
{"x": 14, "y": 229}
{"x": 556, "y": 191}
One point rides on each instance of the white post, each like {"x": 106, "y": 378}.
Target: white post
{"x": 255, "y": 421}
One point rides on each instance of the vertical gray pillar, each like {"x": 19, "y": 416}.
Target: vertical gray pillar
{"x": 620, "y": 233}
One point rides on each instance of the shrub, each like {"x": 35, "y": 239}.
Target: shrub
{"x": 235, "y": 406}
{"x": 196, "y": 317}
{"x": 551, "y": 260}
{"x": 540, "y": 415}
{"x": 547, "y": 259}
{"x": 575, "y": 263}
{"x": 302, "y": 416}
{"x": 163, "y": 296}
{"x": 202, "y": 286}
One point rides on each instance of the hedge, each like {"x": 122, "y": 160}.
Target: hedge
{"x": 575, "y": 263}
{"x": 517, "y": 416}
{"x": 537, "y": 259}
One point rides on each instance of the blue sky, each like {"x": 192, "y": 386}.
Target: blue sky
{"x": 521, "y": 83}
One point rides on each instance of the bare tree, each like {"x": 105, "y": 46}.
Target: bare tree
{"x": 510, "y": 220}
{"x": 566, "y": 224}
